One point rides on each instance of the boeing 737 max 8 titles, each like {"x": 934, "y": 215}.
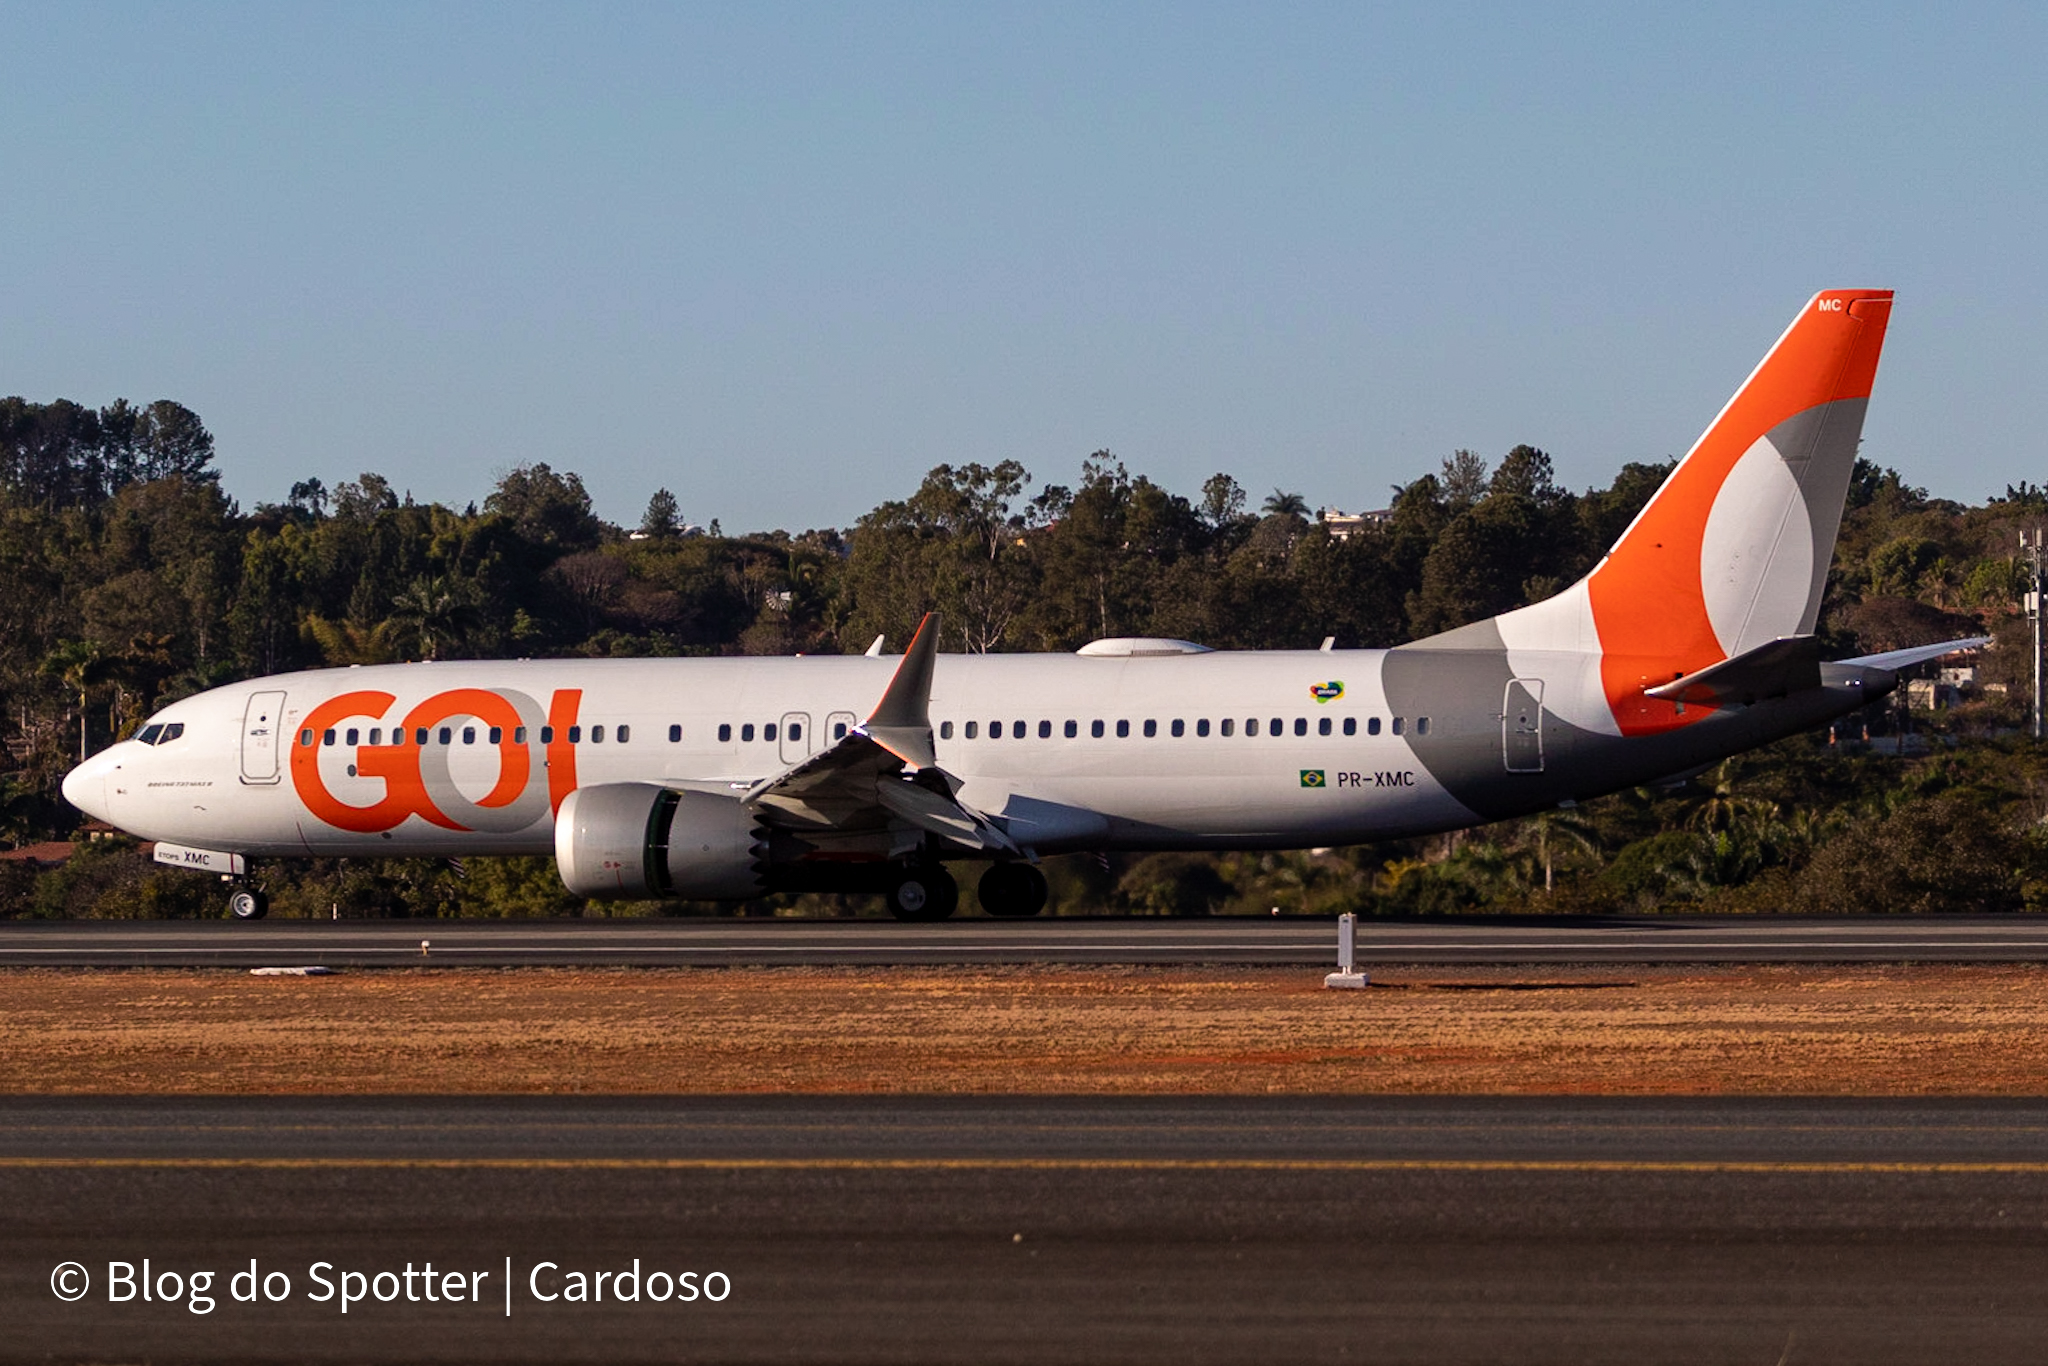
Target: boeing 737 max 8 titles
{"x": 730, "y": 778}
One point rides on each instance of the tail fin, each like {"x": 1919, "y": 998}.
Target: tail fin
{"x": 1733, "y": 550}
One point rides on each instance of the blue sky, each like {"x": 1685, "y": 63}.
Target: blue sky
{"x": 783, "y": 259}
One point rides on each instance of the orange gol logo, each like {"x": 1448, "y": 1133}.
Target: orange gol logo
{"x": 416, "y": 777}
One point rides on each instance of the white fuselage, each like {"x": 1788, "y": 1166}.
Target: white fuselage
{"x": 1256, "y": 749}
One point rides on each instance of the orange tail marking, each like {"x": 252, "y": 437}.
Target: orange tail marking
{"x": 1648, "y": 603}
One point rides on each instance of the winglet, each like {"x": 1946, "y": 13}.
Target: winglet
{"x": 902, "y": 720}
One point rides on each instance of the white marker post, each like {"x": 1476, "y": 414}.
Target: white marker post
{"x": 1347, "y": 974}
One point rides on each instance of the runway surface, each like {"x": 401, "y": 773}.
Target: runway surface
{"x": 1292, "y": 941}
{"x": 1033, "y": 1230}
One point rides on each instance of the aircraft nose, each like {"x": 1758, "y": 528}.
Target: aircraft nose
{"x": 85, "y": 787}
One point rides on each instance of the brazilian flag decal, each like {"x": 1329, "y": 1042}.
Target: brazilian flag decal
{"x": 1312, "y": 777}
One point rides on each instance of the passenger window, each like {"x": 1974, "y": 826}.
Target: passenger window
{"x": 1045, "y": 730}
{"x": 1123, "y": 730}
{"x": 1180, "y": 728}
{"x": 1397, "y": 725}
{"x": 1301, "y": 725}
{"x": 518, "y": 735}
{"x": 469, "y": 735}
{"x": 1350, "y": 725}
{"x": 675, "y": 735}
{"x": 376, "y": 735}
{"x": 1073, "y": 729}
{"x": 1372, "y": 726}
{"x": 1251, "y": 725}
{"x": 1277, "y": 728}
{"x": 747, "y": 732}
{"x": 355, "y": 737}
{"x": 305, "y": 739}
{"x": 575, "y": 735}
{"x": 1226, "y": 728}
{"x": 496, "y": 735}
{"x": 1095, "y": 729}
{"x": 796, "y": 732}
{"x": 945, "y": 730}
{"x": 971, "y": 729}
{"x": 995, "y": 730}
{"x": 1017, "y": 729}
{"x": 327, "y": 737}
{"x": 1322, "y": 726}
{"x": 1422, "y": 725}
{"x": 547, "y": 735}
{"x": 597, "y": 735}
{"x": 419, "y": 737}
{"x": 768, "y": 732}
{"x": 1202, "y": 727}
{"x": 149, "y": 734}
{"x": 1151, "y": 729}
{"x": 725, "y": 733}
{"x": 839, "y": 729}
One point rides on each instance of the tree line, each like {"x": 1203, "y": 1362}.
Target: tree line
{"x": 135, "y": 578}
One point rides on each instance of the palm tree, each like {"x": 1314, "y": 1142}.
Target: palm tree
{"x": 438, "y": 608}
{"x": 348, "y": 642}
{"x": 1724, "y": 807}
{"x": 1560, "y": 828}
{"x": 82, "y": 667}
{"x": 1284, "y": 504}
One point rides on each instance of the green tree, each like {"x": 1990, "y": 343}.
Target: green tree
{"x": 549, "y": 509}
{"x": 664, "y": 516}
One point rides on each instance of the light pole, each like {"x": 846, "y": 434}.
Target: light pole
{"x": 2030, "y": 544}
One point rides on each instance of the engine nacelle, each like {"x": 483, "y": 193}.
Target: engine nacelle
{"x": 630, "y": 840}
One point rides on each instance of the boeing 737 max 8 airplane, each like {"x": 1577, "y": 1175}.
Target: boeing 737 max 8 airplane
{"x": 730, "y": 778}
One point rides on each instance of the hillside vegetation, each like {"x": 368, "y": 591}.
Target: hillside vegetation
{"x": 134, "y": 578}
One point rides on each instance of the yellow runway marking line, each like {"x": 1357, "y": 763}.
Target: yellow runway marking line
{"x": 1135, "y": 1164}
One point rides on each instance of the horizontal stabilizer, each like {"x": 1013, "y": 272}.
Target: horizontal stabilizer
{"x": 1776, "y": 668}
{"x": 1918, "y": 654}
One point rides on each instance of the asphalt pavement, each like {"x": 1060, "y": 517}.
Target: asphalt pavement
{"x": 860, "y": 1229}
{"x": 1284, "y": 940}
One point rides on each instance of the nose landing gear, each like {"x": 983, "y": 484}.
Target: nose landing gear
{"x": 248, "y": 903}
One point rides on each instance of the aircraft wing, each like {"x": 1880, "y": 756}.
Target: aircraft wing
{"x": 885, "y": 771}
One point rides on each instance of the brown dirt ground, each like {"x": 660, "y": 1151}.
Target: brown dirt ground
{"x": 1733, "y": 1030}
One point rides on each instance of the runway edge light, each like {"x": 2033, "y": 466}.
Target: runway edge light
{"x": 1347, "y": 974}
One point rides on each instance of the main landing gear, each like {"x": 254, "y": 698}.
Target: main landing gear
{"x": 923, "y": 892}
{"x": 248, "y": 903}
{"x": 1012, "y": 890}
{"x": 927, "y": 891}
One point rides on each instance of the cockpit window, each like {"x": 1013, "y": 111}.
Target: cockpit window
{"x": 147, "y": 735}
{"x": 171, "y": 732}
